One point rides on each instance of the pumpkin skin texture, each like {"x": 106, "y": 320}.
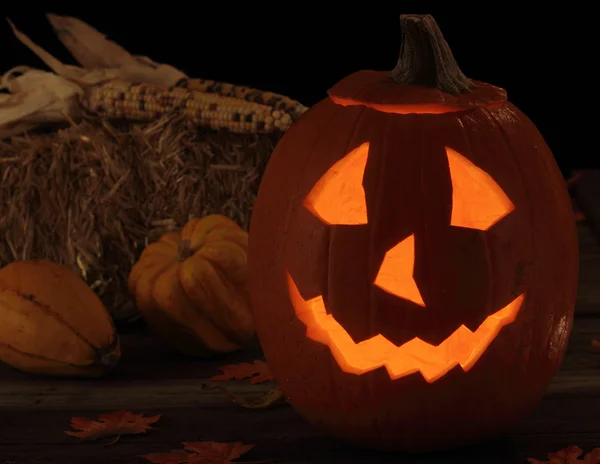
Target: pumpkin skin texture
{"x": 52, "y": 323}
{"x": 190, "y": 286}
{"x": 413, "y": 258}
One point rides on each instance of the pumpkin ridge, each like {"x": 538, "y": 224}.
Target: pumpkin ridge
{"x": 221, "y": 271}
{"x": 486, "y": 248}
{"x": 512, "y": 155}
{"x": 347, "y": 149}
{"x": 388, "y": 127}
{"x": 50, "y": 312}
{"x": 148, "y": 263}
{"x": 317, "y": 140}
{"x": 204, "y": 228}
{"x": 189, "y": 319}
{"x": 229, "y": 288}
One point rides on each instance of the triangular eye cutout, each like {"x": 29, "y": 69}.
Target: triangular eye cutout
{"x": 478, "y": 202}
{"x": 338, "y": 196}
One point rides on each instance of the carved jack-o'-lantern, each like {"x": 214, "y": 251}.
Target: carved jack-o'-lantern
{"x": 413, "y": 256}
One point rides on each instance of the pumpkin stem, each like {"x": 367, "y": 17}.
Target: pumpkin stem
{"x": 107, "y": 357}
{"x": 108, "y": 360}
{"x": 184, "y": 250}
{"x": 425, "y": 57}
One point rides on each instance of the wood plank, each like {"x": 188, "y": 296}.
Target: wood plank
{"x": 142, "y": 395}
{"x": 135, "y": 394}
{"x": 33, "y": 415}
{"x": 135, "y": 383}
{"x": 280, "y": 434}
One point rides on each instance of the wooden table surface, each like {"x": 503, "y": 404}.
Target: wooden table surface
{"x": 35, "y": 412}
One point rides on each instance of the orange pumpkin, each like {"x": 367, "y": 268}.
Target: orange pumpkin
{"x": 190, "y": 286}
{"x": 413, "y": 256}
{"x": 52, "y": 323}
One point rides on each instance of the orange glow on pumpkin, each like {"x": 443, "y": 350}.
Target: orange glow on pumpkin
{"x": 338, "y": 197}
{"x": 395, "y": 275}
{"x": 463, "y": 347}
{"x": 478, "y": 202}
{"x": 378, "y": 91}
{"x": 400, "y": 108}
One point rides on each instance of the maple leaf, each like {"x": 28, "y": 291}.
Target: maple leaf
{"x": 257, "y": 372}
{"x": 570, "y": 455}
{"x": 114, "y": 424}
{"x": 202, "y": 452}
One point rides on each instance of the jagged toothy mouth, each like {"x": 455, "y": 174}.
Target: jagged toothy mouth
{"x": 463, "y": 347}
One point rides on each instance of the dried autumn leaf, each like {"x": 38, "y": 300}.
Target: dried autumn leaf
{"x": 205, "y": 452}
{"x": 257, "y": 372}
{"x": 570, "y": 455}
{"x": 114, "y": 424}
{"x": 269, "y": 398}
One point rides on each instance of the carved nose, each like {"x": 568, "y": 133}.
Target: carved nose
{"x": 395, "y": 275}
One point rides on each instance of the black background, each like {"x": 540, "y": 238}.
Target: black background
{"x": 545, "y": 57}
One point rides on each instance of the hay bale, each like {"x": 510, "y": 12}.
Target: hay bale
{"x": 93, "y": 195}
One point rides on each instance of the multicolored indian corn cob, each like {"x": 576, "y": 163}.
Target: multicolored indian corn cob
{"x": 238, "y": 110}
{"x": 274, "y": 100}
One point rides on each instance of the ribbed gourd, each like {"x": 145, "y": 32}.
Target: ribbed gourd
{"x": 190, "y": 286}
{"x": 52, "y": 323}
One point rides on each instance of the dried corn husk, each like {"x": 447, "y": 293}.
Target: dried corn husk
{"x": 92, "y": 50}
{"x": 36, "y": 98}
{"x": 134, "y": 69}
{"x": 47, "y": 101}
{"x": 92, "y": 195}
{"x": 39, "y": 97}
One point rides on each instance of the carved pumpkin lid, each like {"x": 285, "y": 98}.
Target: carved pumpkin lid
{"x": 426, "y": 79}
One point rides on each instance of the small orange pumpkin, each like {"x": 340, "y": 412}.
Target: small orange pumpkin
{"x": 53, "y": 323}
{"x": 190, "y": 286}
